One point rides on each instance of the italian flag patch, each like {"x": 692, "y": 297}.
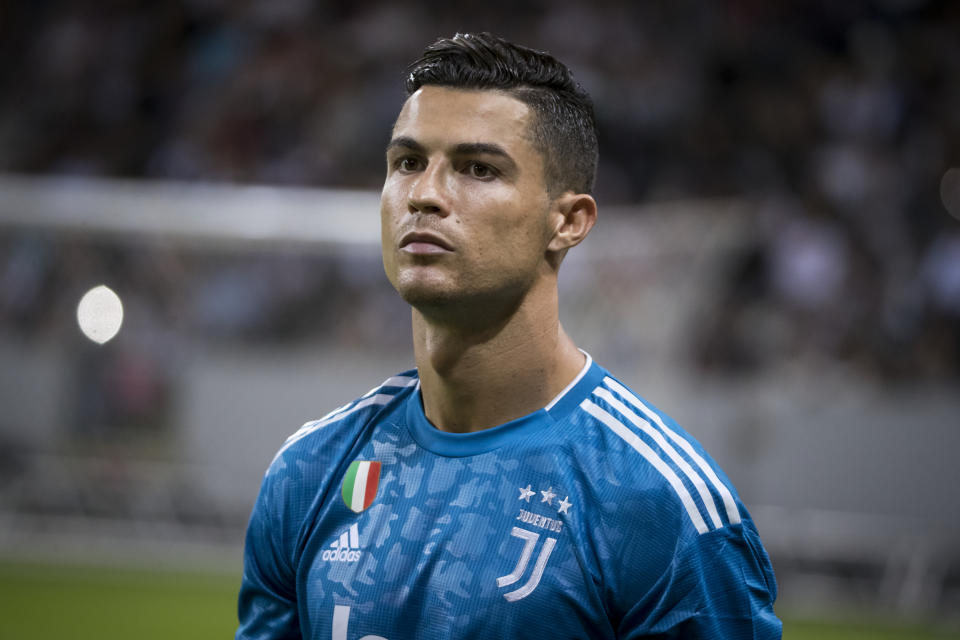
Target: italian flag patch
{"x": 360, "y": 484}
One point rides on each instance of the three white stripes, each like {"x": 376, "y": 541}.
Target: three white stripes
{"x": 650, "y": 423}
{"x": 369, "y": 398}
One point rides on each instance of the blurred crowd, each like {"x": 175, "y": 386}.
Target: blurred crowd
{"x": 840, "y": 121}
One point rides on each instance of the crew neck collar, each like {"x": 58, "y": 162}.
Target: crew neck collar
{"x": 467, "y": 444}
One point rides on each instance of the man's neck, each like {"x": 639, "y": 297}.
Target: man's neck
{"x": 479, "y": 377}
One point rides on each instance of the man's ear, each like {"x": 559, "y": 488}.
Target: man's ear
{"x": 574, "y": 214}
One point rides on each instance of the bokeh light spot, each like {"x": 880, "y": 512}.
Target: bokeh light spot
{"x": 100, "y": 314}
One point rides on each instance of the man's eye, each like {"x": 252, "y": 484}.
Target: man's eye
{"x": 409, "y": 164}
{"x": 479, "y": 170}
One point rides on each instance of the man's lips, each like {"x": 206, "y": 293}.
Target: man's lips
{"x": 421, "y": 242}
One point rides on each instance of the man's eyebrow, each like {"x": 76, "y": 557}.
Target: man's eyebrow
{"x": 463, "y": 149}
{"x": 507, "y": 162}
{"x": 406, "y": 143}
{"x": 476, "y": 148}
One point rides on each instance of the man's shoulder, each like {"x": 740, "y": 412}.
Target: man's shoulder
{"x": 649, "y": 465}
{"x": 342, "y": 423}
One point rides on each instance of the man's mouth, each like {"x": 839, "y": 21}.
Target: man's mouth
{"x": 424, "y": 243}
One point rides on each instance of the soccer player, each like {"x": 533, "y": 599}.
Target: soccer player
{"x": 508, "y": 486}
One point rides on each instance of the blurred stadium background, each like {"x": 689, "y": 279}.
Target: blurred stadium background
{"x": 777, "y": 265}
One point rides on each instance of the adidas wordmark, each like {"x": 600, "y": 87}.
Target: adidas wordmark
{"x": 346, "y": 548}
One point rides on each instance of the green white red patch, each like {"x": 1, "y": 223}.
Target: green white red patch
{"x": 360, "y": 484}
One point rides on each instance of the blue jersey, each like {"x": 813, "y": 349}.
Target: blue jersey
{"x": 594, "y": 517}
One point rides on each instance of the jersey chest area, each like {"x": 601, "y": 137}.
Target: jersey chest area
{"x": 414, "y": 545}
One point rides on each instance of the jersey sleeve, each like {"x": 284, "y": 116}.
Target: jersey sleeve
{"x": 267, "y": 605}
{"x": 719, "y": 585}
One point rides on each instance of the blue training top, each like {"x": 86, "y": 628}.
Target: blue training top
{"x": 594, "y": 517}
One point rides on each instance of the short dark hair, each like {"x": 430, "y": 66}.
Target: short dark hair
{"x": 564, "y": 128}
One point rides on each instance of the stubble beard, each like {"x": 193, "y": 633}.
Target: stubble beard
{"x": 462, "y": 304}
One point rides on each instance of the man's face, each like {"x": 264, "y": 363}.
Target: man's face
{"x": 464, "y": 208}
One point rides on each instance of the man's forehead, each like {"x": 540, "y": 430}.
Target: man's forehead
{"x": 448, "y": 111}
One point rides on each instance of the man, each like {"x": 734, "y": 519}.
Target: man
{"x": 508, "y": 487}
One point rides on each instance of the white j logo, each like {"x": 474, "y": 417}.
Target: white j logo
{"x": 529, "y": 542}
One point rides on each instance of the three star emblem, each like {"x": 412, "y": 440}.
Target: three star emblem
{"x": 562, "y": 507}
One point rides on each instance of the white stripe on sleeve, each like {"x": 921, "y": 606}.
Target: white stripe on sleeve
{"x": 394, "y": 381}
{"x": 733, "y": 514}
{"x": 644, "y": 449}
{"x": 688, "y": 471}
{"x": 379, "y": 399}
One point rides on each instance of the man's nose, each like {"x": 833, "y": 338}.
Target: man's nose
{"x": 428, "y": 193}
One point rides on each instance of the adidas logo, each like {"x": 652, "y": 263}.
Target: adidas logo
{"x": 346, "y": 548}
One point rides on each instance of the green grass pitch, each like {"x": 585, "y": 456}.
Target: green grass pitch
{"x": 40, "y": 601}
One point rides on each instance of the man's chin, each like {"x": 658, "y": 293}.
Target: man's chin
{"x": 423, "y": 296}
{"x": 437, "y": 298}
{"x": 450, "y": 305}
